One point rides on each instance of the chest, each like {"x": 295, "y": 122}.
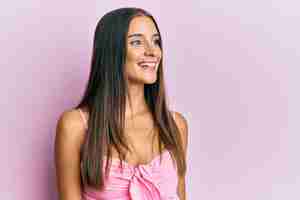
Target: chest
{"x": 142, "y": 138}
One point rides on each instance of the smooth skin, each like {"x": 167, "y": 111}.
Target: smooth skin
{"x": 70, "y": 130}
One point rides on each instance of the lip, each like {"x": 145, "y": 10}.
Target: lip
{"x": 152, "y": 68}
{"x": 152, "y": 64}
{"x": 145, "y": 61}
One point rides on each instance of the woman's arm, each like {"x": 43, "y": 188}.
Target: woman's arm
{"x": 69, "y": 137}
{"x": 183, "y": 128}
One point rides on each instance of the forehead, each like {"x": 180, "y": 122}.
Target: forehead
{"x": 142, "y": 24}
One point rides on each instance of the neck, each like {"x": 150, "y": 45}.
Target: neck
{"x": 137, "y": 100}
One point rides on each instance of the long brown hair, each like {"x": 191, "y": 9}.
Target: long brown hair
{"x": 105, "y": 97}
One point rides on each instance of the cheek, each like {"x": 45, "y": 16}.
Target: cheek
{"x": 133, "y": 56}
{"x": 158, "y": 53}
{"x": 131, "y": 60}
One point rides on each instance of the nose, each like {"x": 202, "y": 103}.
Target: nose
{"x": 149, "y": 49}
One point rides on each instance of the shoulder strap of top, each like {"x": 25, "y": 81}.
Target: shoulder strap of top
{"x": 83, "y": 118}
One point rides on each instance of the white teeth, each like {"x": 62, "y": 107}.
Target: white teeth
{"x": 147, "y": 66}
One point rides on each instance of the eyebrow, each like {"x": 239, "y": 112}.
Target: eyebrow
{"x": 139, "y": 35}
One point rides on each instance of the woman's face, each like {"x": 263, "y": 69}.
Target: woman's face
{"x": 143, "y": 51}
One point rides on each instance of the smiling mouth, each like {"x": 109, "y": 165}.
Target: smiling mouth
{"x": 148, "y": 65}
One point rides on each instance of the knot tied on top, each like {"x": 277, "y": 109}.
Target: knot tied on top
{"x": 142, "y": 186}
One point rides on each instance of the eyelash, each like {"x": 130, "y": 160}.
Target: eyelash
{"x": 156, "y": 41}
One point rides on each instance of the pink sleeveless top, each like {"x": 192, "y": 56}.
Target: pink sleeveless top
{"x": 152, "y": 181}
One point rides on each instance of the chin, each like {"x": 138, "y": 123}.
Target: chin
{"x": 144, "y": 79}
{"x": 149, "y": 80}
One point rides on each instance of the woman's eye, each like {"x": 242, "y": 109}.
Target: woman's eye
{"x": 157, "y": 41}
{"x": 135, "y": 42}
{"x": 138, "y": 42}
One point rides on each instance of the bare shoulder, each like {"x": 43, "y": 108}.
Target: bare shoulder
{"x": 182, "y": 124}
{"x": 68, "y": 141}
{"x": 180, "y": 120}
{"x": 70, "y": 127}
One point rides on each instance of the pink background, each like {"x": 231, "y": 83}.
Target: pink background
{"x": 226, "y": 65}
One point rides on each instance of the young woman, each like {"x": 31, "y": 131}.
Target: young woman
{"x": 122, "y": 141}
